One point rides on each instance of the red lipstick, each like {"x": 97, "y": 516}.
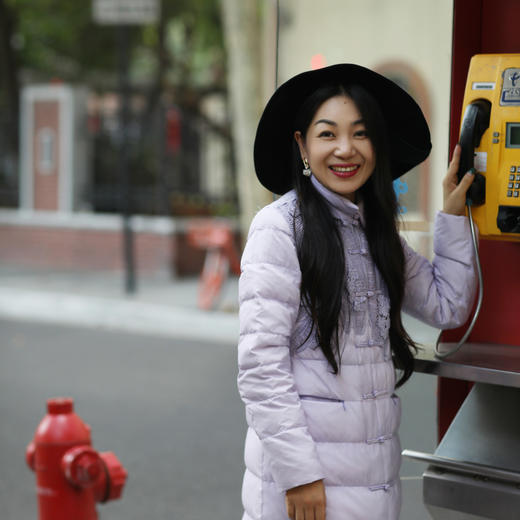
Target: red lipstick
{"x": 344, "y": 171}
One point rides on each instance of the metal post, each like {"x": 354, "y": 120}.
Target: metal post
{"x": 126, "y": 209}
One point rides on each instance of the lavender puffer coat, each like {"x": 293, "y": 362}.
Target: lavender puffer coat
{"x": 305, "y": 423}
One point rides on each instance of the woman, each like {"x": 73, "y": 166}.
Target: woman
{"x": 325, "y": 277}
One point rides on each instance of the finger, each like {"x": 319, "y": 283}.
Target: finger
{"x": 455, "y": 161}
{"x": 309, "y": 513}
{"x": 320, "y": 512}
{"x": 466, "y": 182}
{"x": 456, "y": 200}
{"x": 290, "y": 509}
{"x": 299, "y": 513}
{"x": 455, "y": 158}
{"x": 456, "y": 153}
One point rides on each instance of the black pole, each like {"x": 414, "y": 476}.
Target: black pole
{"x": 126, "y": 208}
{"x": 277, "y": 55}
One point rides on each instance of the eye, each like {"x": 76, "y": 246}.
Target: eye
{"x": 325, "y": 133}
{"x": 361, "y": 134}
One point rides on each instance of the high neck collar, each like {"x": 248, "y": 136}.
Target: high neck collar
{"x": 341, "y": 207}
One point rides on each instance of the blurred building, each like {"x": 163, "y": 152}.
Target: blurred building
{"x": 180, "y": 164}
{"x": 70, "y": 195}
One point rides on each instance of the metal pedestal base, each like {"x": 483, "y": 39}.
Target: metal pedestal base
{"x": 457, "y": 496}
{"x": 439, "y": 513}
{"x": 475, "y": 471}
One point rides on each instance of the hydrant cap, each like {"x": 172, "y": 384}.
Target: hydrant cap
{"x": 60, "y": 405}
{"x": 117, "y": 476}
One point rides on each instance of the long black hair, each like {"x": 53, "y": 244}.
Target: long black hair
{"x": 321, "y": 255}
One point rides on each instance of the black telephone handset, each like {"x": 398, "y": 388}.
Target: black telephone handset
{"x": 474, "y": 124}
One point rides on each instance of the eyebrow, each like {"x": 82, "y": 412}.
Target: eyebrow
{"x": 333, "y": 123}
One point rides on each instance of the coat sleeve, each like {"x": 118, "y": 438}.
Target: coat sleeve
{"x": 269, "y": 297}
{"x": 441, "y": 293}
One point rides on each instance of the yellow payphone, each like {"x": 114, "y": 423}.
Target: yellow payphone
{"x": 490, "y": 140}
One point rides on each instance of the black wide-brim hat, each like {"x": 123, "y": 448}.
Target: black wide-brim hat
{"x": 407, "y": 130}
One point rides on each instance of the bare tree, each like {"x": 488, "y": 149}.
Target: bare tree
{"x": 9, "y": 74}
{"x": 243, "y": 37}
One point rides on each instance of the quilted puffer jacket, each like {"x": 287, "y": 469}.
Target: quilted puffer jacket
{"x": 306, "y": 423}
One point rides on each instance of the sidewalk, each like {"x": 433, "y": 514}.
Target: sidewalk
{"x": 161, "y": 305}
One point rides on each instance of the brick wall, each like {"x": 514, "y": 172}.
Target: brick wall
{"x": 95, "y": 242}
{"x": 82, "y": 249}
{"x": 46, "y": 116}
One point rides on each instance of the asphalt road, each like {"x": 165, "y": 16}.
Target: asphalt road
{"x": 167, "y": 408}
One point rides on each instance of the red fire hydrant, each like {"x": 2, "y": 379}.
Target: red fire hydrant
{"x": 70, "y": 475}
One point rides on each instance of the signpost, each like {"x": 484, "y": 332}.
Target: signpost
{"x": 122, "y": 13}
{"x": 125, "y": 12}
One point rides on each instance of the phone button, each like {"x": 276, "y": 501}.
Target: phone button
{"x": 509, "y": 193}
{"x": 512, "y": 177}
{"x": 510, "y": 185}
{"x": 512, "y": 169}
{"x": 517, "y": 178}
{"x": 515, "y": 194}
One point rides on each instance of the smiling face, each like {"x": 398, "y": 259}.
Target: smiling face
{"x": 337, "y": 146}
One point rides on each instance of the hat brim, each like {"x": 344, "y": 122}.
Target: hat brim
{"x": 408, "y": 133}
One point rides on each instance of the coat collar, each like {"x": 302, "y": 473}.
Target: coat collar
{"x": 341, "y": 207}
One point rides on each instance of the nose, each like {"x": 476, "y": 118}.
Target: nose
{"x": 345, "y": 147}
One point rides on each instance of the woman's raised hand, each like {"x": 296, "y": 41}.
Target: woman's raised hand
{"x": 306, "y": 502}
{"x": 455, "y": 194}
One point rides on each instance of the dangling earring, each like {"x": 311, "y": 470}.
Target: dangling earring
{"x": 307, "y": 170}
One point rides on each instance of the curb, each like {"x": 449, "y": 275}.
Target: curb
{"x": 118, "y": 315}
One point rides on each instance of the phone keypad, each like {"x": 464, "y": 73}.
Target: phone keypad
{"x": 513, "y": 185}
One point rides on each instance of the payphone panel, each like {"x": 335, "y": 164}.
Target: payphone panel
{"x": 490, "y": 139}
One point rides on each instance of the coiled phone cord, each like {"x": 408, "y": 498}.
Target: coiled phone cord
{"x": 457, "y": 347}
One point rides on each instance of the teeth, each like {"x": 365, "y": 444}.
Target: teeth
{"x": 341, "y": 169}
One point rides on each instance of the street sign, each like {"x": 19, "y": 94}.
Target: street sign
{"x": 125, "y": 12}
